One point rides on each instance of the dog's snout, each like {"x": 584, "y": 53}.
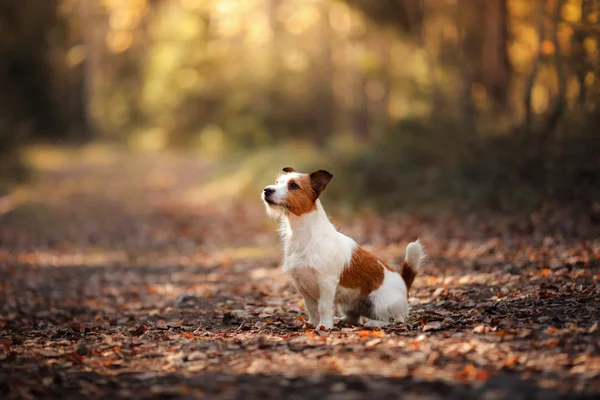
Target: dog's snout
{"x": 268, "y": 191}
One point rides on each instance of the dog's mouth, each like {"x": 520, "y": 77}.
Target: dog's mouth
{"x": 270, "y": 202}
{"x": 273, "y": 204}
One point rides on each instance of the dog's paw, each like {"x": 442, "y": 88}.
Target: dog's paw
{"x": 372, "y": 323}
{"x": 325, "y": 325}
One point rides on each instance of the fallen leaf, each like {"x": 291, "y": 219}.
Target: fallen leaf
{"x": 161, "y": 324}
{"x": 260, "y": 324}
{"x": 482, "y": 375}
{"x": 187, "y": 335}
{"x": 197, "y": 355}
{"x": 373, "y": 342}
{"x": 432, "y": 326}
{"x": 322, "y": 333}
{"x": 469, "y": 369}
{"x": 49, "y": 353}
{"x": 511, "y": 361}
{"x": 143, "y": 328}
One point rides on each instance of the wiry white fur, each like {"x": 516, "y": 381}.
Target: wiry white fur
{"x": 415, "y": 254}
{"x": 281, "y": 191}
{"x": 315, "y": 255}
{"x": 311, "y": 240}
{"x": 390, "y": 300}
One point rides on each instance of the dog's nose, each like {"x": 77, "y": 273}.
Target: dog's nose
{"x": 268, "y": 191}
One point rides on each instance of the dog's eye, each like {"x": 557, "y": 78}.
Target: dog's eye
{"x": 293, "y": 186}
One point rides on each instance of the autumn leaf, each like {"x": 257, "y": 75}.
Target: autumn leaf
{"x": 161, "y": 324}
{"x": 372, "y": 342}
{"x": 468, "y": 369}
{"x": 75, "y": 357}
{"x": 310, "y": 333}
{"x": 511, "y": 361}
{"x": 482, "y": 375}
{"x": 432, "y": 326}
{"x": 50, "y": 353}
{"x": 107, "y": 363}
{"x": 143, "y": 328}
{"x": 414, "y": 345}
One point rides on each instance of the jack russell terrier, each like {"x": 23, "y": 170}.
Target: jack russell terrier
{"x": 329, "y": 268}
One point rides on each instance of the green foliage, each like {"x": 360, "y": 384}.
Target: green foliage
{"x": 446, "y": 165}
{"x": 432, "y": 103}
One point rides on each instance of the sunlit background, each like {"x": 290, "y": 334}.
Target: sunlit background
{"x": 136, "y": 136}
{"x": 438, "y": 102}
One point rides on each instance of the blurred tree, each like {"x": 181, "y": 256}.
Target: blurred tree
{"x": 324, "y": 100}
{"x": 38, "y": 93}
{"x": 406, "y": 15}
{"x": 237, "y": 74}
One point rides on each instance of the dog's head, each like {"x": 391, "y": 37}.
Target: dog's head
{"x": 294, "y": 192}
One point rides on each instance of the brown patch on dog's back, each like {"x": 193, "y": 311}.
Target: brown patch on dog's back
{"x": 365, "y": 272}
{"x": 301, "y": 201}
{"x": 408, "y": 274}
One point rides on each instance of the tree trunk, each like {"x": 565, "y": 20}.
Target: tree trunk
{"x": 26, "y": 80}
{"x": 535, "y": 66}
{"x": 323, "y": 91}
{"x": 495, "y": 66}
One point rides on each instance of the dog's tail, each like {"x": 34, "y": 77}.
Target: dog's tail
{"x": 412, "y": 262}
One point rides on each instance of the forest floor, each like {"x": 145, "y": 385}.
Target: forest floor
{"x": 140, "y": 276}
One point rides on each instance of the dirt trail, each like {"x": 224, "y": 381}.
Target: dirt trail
{"x": 124, "y": 278}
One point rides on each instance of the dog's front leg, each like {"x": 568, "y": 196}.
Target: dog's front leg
{"x": 311, "y": 306}
{"x": 327, "y": 288}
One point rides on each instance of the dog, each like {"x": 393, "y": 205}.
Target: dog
{"x": 330, "y": 269}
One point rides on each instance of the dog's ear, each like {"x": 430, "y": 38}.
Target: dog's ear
{"x": 289, "y": 169}
{"x": 319, "y": 180}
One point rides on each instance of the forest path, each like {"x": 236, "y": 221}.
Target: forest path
{"x": 139, "y": 276}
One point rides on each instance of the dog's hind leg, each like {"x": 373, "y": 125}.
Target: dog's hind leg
{"x": 350, "y": 317}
